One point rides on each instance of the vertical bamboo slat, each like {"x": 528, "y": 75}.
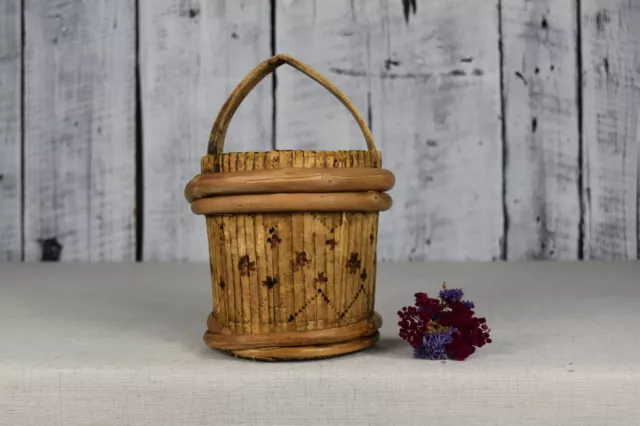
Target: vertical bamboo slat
{"x": 286, "y": 259}
{"x": 353, "y": 267}
{"x": 370, "y": 248}
{"x": 319, "y": 242}
{"x": 215, "y": 248}
{"x": 250, "y": 241}
{"x": 215, "y": 293}
{"x": 331, "y": 248}
{"x": 309, "y": 247}
{"x": 229, "y": 253}
{"x": 236, "y": 240}
{"x": 364, "y": 249}
{"x": 265, "y": 312}
{"x": 374, "y": 263}
{"x": 273, "y": 162}
{"x": 300, "y": 258}
{"x": 345, "y": 236}
{"x": 245, "y": 263}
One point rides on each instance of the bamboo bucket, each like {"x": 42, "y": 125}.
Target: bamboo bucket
{"x": 292, "y": 240}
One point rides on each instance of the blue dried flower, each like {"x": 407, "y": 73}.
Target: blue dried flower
{"x": 469, "y": 304}
{"x": 433, "y": 345}
{"x": 451, "y": 295}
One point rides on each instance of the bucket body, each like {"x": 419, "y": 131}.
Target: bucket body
{"x": 292, "y": 272}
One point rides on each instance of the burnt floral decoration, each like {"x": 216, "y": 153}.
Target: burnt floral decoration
{"x": 332, "y": 243}
{"x": 322, "y": 278}
{"x": 246, "y": 266}
{"x": 301, "y": 260}
{"x": 354, "y": 263}
{"x": 270, "y": 282}
{"x": 363, "y": 275}
{"x": 273, "y": 239}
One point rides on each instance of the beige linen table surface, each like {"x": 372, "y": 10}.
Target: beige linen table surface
{"x": 118, "y": 344}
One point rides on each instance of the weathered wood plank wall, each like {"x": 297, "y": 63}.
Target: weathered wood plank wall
{"x": 79, "y": 130}
{"x": 329, "y": 36}
{"x": 611, "y": 107}
{"x": 436, "y": 115}
{"x": 192, "y": 54}
{"x": 511, "y": 125}
{"x": 10, "y": 131}
{"x": 542, "y": 132}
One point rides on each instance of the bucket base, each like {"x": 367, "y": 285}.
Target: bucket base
{"x": 283, "y": 346}
{"x": 306, "y": 352}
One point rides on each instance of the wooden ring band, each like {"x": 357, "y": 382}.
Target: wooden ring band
{"x": 270, "y": 181}
{"x": 308, "y": 352}
{"x": 216, "y": 337}
{"x": 284, "y": 203}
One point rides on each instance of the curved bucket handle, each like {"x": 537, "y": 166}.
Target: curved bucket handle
{"x": 220, "y": 126}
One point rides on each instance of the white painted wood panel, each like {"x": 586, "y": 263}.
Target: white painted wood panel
{"x": 10, "y": 131}
{"x": 332, "y": 37}
{"x": 557, "y": 179}
{"x": 79, "y": 129}
{"x": 542, "y": 143}
{"x": 611, "y": 58}
{"x": 192, "y": 55}
{"x": 436, "y": 116}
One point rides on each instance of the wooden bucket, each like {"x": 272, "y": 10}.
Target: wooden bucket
{"x": 292, "y": 240}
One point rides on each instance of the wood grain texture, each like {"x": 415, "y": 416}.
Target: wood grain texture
{"x": 611, "y": 99}
{"x": 10, "y": 131}
{"x": 542, "y": 165}
{"x": 192, "y": 55}
{"x": 79, "y": 142}
{"x": 326, "y": 35}
{"x": 563, "y": 184}
{"x": 436, "y": 118}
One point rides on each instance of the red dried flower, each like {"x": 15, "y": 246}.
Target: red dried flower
{"x": 413, "y": 325}
{"x": 459, "y": 348}
{"x": 430, "y": 317}
{"x": 472, "y": 332}
{"x": 422, "y": 299}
